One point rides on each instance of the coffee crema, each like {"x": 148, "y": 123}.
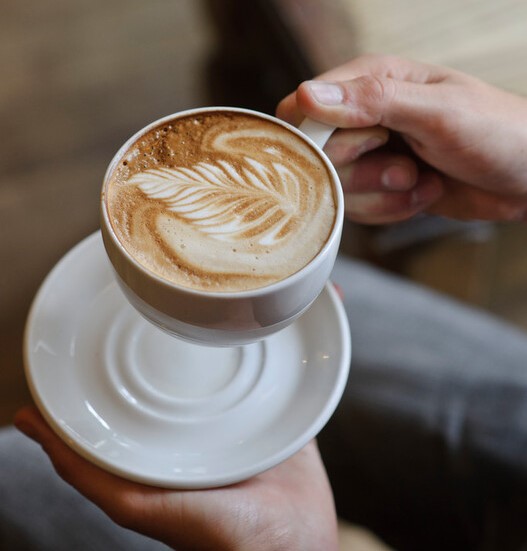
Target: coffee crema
{"x": 221, "y": 201}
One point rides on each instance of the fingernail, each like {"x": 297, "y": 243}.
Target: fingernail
{"x": 326, "y": 93}
{"x": 396, "y": 178}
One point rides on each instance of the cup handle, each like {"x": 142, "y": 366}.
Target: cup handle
{"x": 317, "y": 131}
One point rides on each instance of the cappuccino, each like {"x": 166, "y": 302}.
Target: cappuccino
{"x": 221, "y": 201}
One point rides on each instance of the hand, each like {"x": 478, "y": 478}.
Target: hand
{"x": 288, "y": 507}
{"x": 466, "y": 141}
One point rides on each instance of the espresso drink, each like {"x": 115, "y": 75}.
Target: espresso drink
{"x": 221, "y": 201}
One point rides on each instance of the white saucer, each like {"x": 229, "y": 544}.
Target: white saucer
{"x": 151, "y": 408}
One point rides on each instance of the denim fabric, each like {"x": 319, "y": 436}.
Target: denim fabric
{"x": 40, "y": 512}
{"x": 429, "y": 445}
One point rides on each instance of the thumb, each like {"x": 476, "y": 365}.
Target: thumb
{"x": 403, "y": 106}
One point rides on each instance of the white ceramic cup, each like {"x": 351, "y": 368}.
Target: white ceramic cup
{"x": 225, "y": 318}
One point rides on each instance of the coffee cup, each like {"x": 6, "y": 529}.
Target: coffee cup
{"x": 222, "y": 224}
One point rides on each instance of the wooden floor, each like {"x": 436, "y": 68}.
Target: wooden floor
{"x": 485, "y": 38}
{"x": 78, "y": 78}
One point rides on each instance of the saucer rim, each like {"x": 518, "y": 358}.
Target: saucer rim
{"x": 202, "y": 481}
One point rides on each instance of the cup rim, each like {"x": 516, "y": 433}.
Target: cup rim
{"x": 248, "y": 293}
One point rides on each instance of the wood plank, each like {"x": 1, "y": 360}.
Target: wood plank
{"x": 485, "y": 38}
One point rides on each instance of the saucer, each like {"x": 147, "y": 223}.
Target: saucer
{"x": 151, "y": 408}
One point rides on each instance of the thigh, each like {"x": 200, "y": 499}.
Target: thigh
{"x": 428, "y": 446}
{"x": 38, "y": 511}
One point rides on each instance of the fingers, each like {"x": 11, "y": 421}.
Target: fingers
{"x": 382, "y": 187}
{"x": 346, "y": 145}
{"x": 288, "y": 110}
{"x": 381, "y": 66}
{"x": 420, "y": 112}
{"x": 111, "y": 493}
{"x": 69, "y": 465}
{"x": 469, "y": 203}
{"x": 378, "y": 172}
{"x": 384, "y": 207}
{"x": 406, "y": 107}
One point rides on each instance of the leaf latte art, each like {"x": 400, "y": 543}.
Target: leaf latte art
{"x": 221, "y": 202}
{"x": 225, "y": 204}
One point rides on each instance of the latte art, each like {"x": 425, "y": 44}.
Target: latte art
{"x": 257, "y": 202}
{"x": 221, "y": 202}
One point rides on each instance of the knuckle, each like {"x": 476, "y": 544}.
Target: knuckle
{"x": 376, "y": 94}
{"x": 385, "y": 90}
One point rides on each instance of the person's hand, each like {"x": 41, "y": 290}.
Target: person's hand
{"x": 465, "y": 153}
{"x": 288, "y": 507}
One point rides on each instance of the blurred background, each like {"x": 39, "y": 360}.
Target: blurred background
{"x": 78, "y": 78}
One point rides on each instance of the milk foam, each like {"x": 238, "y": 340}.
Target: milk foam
{"x": 221, "y": 202}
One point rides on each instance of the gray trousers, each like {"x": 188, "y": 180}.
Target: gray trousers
{"x": 428, "y": 447}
